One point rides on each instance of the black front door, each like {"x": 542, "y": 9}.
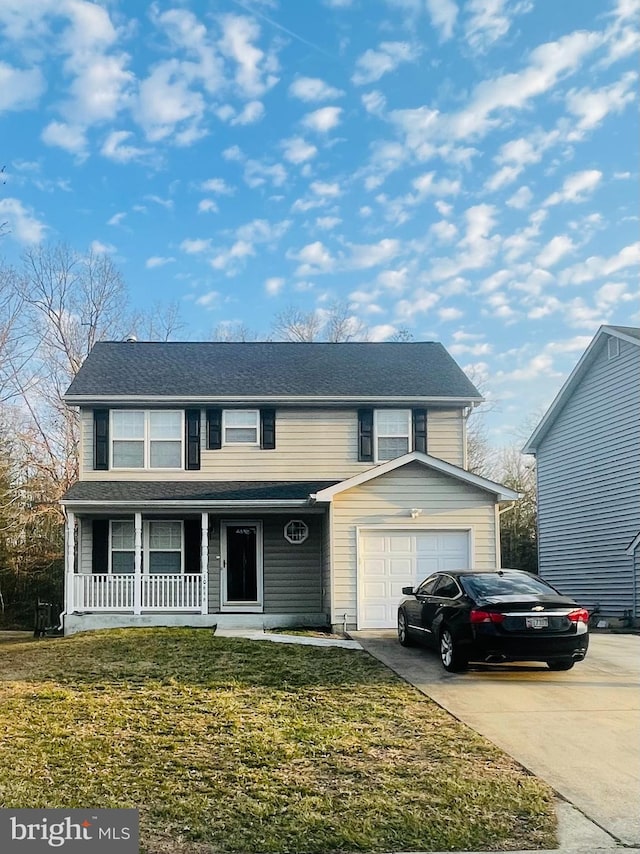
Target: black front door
{"x": 241, "y": 563}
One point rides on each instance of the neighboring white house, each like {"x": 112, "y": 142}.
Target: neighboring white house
{"x": 269, "y": 483}
{"x": 587, "y": 449}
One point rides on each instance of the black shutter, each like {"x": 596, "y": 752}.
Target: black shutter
{"x": 267, "y": 429}
{"x": 420, "y": 430}
{"x": 214, "y": 429}
{"x": 192, "y": 431}
{"x": 100, "y": 546}
{"x": 365, "y": 435}
{"x": 192, "y": 544}
{"x": 100, "y": 439}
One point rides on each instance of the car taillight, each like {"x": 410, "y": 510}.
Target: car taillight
{"x": 580, "y": 615}
{"x": 486, "y": 616}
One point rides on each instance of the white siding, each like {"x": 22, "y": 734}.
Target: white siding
{"x": 445, "y": 502}
{"x": 311, "y": 444}
{"x": 589, "y": 485}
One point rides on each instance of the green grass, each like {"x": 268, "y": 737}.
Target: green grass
{"x": 229, "y": 745}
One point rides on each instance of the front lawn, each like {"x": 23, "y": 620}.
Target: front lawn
{"x": 229, "y": 745}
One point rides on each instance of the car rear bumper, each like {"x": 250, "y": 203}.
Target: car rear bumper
{"x": 526, "y": 648}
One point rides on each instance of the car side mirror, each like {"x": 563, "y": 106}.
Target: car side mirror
{"x": 407, "y": 591}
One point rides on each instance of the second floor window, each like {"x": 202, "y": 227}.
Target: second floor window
{"x": 241, "y": 426}
{"x": 393, "y": 433}
{"x": 147, "y": 439}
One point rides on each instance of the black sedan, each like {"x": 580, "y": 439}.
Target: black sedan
{"x": 493, "y": 616}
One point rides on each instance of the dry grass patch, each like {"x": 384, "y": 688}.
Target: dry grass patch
{"x": 229, "y": 745}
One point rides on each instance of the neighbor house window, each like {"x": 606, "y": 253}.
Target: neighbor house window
{"x": 613, "y": 347}
{"x": 122, "y": 547}
{"x": 147, "y": 439}
{"x": 165, "y": 547}
{"x": 393, "y": 433}
{"x": 241, "y": 426}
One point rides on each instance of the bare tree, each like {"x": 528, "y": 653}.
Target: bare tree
{"x": 159, "y": 323}
{"x": 334, "y": 324}
{"x": 518, "y": 522}
{"x": 233, "y": 331}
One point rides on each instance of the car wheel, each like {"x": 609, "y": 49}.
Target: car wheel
{"x": 450, "y": 655}
{"x": 561, "y": 664}
{"x": 403, "y": 630}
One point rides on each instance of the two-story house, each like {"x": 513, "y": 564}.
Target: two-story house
{"x": 587, "y": 450}
{"x": 269, "y": 484}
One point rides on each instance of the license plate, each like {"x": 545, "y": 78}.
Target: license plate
{"x": 537, "y": 622}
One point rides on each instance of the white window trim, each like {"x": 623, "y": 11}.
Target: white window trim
{"x": 255, "y": 444}
{"x": 305, "y": 532}
{"x": 146, "y": 546}
{"x": 111, "y": 549}
{"x": 377, "y": 435}
{"x": 146, "y": 440}
{"x": 613, "y": 347}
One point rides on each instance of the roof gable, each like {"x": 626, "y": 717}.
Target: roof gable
{"x": 630, "y": 334}
{"x": 502, "y": 493}
{"x": 282, "y": 370}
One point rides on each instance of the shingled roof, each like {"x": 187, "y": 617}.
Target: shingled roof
{"x": 193, "y": 491}
{"x": 270, "y": 370}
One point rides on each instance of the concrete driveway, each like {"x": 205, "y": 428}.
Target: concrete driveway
{"x": 579, "y": 730}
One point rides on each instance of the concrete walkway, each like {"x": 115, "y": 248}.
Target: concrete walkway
{"x": 278, "y": 637}
{"x": 579, "y": 731}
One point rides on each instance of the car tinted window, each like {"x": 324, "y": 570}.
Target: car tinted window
{"x": 485, "y": 585}
{"x": 447, "y": 587}
{"x": 426, "y": 588}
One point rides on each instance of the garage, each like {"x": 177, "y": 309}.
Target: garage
{"x": 391, "y": 559}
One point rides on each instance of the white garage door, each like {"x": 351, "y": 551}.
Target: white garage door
{"x": 391, "y": 560}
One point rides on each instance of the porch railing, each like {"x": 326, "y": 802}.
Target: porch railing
{"x": 101, "y": 592}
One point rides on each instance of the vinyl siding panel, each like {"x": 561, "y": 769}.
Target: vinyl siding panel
{"x": 445, "y": 435}
{"x": 214, "y": 564}
{"x": 588, "y": 469}
{"x": 387, "y": 500}
{"x": 85, "y": 545}
{"x": 310, "y": 444}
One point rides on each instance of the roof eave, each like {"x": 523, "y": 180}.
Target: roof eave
{"x": 319, "y": 400}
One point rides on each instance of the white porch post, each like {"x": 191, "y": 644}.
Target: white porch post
{"x": 204, "y": 563}
{"x": 137, "y": 565}
{"x": 70, "y": 560}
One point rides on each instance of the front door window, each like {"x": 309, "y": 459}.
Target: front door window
{"x": 242, "y": 563}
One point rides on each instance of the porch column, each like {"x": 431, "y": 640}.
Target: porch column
{"x": 204, "y": 563}
{"x": 70, "y": 561}
{"x": 137, "y": 565}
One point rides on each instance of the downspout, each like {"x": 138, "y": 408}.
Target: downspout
{"x": 63, "y": 613}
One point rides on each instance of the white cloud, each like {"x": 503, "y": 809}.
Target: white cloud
{"x": 327, "y": 223}
{"x": 195, "y": 246}
{"x": 230, "y": 260}
{"x": 19, "y": 89}
{"x": 312, "y": 89}
{"x": 99, "y": 248}
{"x": 480, "y": 348}
{"x": 597, "y": 267}
{"x": 555, "y": 249}
{"x": 251, "y": 113}
{"x": 298, "y": 150}
{"x": 443, "y": 14}
{"x": 165, "y": 100}
{"x": 218, "y": 186}
{"x": 427, "y": 185}
{"x": 364, "y": 256}
{"x": 262, "y": 231}
{"x": 443, "y": 231}
{"x": 490, "y": 20}
{"x": 374, "y": 102}
{"x": 382, "y": 332}
{"x": 323, "y": 120}
{"x": 209, "y": 300}
{"x": 591, "y": 106}
{"x": 374, "y": 64}
{"x": 476, "y": 249}
{"x": 117, "y": 218}
{"x": 314, "y": 258}
{"x": 257, "y": 173}
{"x": 576, "y": 187}
{"x": 394, "y": 280}
{"x": 70, "y": 137}
{"x": 22, "y": 224}
{"x": 520, "y": 199}
{"x": 325, "y": 189}
{"x": 255, "y": 71}
{"x": 207, "y": 206}
{"x": 274, "y": 286}
{"x": 157, "y": 261}
{"x": 450, "y": 313}
{"x": 114, "y": 149}
{"x": 422, "y": 303}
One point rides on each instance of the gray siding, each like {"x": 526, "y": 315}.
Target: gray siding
{"x": 589, "y": 485}
{"x": 311, "y": 444}
{"x": 636, "y": 570}
{"x": 292, "y": 573}
{"x": 214, "y": 565}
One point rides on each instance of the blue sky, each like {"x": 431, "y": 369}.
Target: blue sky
{"x": 463, "y": 169}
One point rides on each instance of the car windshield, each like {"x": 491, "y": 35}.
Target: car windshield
{"x": 487, "y": 585}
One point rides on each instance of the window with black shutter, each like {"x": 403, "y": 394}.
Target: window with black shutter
{"x": 267, "y": 429}
{"x": 100, "y": 439}
{"x": 192, "y": 431}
